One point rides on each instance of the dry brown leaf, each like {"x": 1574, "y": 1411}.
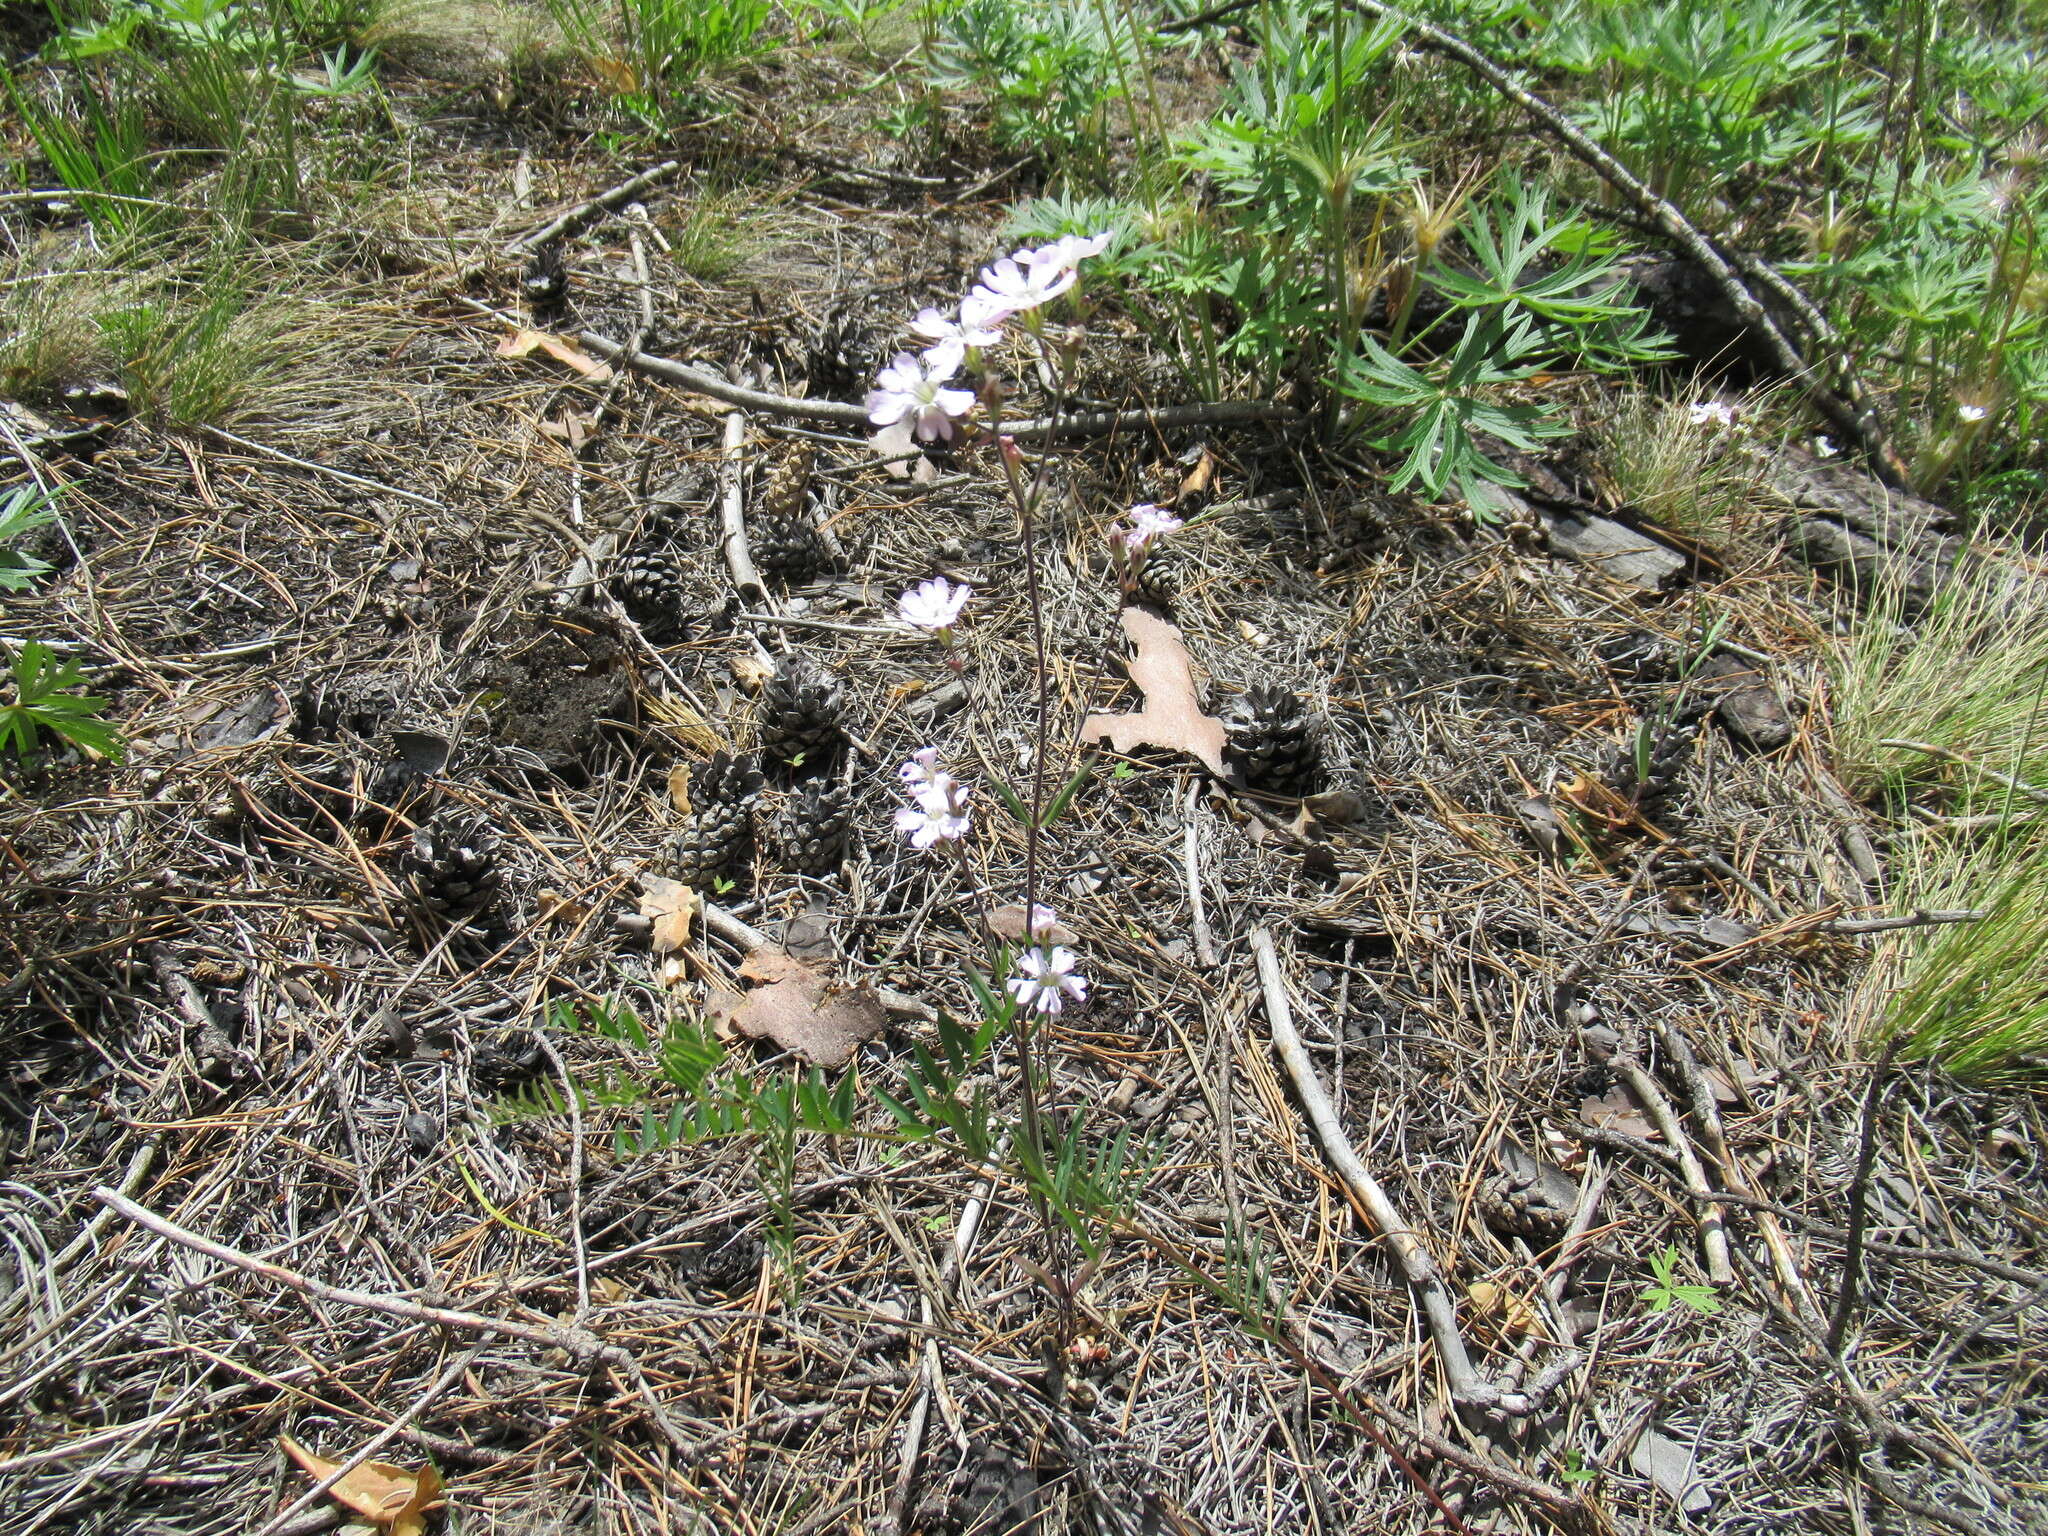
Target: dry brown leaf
{"x": 1007, "y": 922}
{"x": 673, "y": 907}
{"x": 679, "y": 789}
{"x": 524, "y": 341}
{"x": 381, "y": 1492}
{"x": 1197, "y": 481}
{"x": 768, "y": 964}
{"x": 557, "y": 908}
{"x": 1617, "y": 1110}
{"x": 798, "y": 1008}
{"x": 1172, "y": 718}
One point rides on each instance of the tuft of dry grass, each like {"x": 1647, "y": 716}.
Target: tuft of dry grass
{"x": 1679, "y": 466}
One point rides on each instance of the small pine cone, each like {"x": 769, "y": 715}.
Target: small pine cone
{"x": 544, "y": 283}
{"x": 812, "y": 831}
{"x": 787, "y": 486}
{"x": 452, "y": 869}
{"x": 788, "y": 548}
{"x": 1636, "y": 656}
{"x": 714, "y": 846}
{"x": 1159, "y": 579}
{"x": 802, "y": 707}
{"x": 356, "y": 704}
{"x": 651, "y": 587}
{"x": 785, "y": 544}
{"x": 1647, "y": 778}
{"x": 841, "y": 358}
{"x": 1271, "y": 742}
{"x": 725, "y": 780}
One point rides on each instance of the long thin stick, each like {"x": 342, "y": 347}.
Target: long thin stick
{"x": 1712, "y": 1221}
{"x": 840, "y": 413}
{"x": 586, "y": 213}
{"x": 732, "y": 513}
{"x": 1413, "y": 1260}
{"x": 578, "y": 1343}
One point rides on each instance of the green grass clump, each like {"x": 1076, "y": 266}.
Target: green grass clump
{"x": 1972, "y": 996}
{"x": 1679, "y": 470}
{"x": 1967, "y": 677}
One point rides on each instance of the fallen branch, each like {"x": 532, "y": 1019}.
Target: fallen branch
{"x": 1919, "y": 917}
{"x": 1712, "y": 1224}
{"x": 1410, "y": 1257}
{"x": 578, "y": 1344}
{"x": 1635, "y": 1146}
{"x": 577, "y": 219}
{"x": 732, "y": 513}
{"x": 1167, "y": 418}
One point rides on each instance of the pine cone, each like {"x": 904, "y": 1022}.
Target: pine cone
{"x": 1271, "y": 742}
{"x": 785, "y": 544}
{"x": 1159, "y": 580}
{"x": 650, "y": 585}
{"x": 544, "y": 284}
{"x": 1646, "y": 779}
{"x": 451, "y": 869}
{"x": 812, "y": 830}
{"x": 723, "y": 779}
{"x": 841, "y": 358}
{"x": 802, "y": 706}
{"x": 355, "y": 704}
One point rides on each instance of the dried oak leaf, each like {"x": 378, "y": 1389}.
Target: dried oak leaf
{"x": 799, "y": 1008}
{"x": 386, "y": 1495}
{"x": 672, "y": 907}
{"x": 1172, "y": 718}
{"x": 1007, "y": 922}
{"x": 524, "y": 341}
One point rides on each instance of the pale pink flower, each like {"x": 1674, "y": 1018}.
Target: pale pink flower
{"x": 911, "y": 389}
{"x": 933, "y": 604}
{"x": 1712, "y": 413}
{"x": 1972, "y": 413}
{"x": 940, "y": 814}
{"x": 1020, "y": 286}
{"x": 980, "y": 325}
{"x": 1068, "y": 250}
{"x": 922, "y": 768}
{"x": 1043, "y": 920}
{"x": 1148, "y": 525}
{"x": 1045, "y": 980}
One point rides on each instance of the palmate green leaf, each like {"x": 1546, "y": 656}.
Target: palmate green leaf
{"x": 44, "y": 701}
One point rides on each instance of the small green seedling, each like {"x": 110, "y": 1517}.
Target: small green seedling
{"x": 1576, "y": 1470}
{"x": 1665, "y": 1290}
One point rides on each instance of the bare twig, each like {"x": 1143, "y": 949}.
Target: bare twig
{"x": 1712, "y": 1224}
{"x": 328, "y": 470}
{"x": 1191, "y": 862}
{"x": 1919, "y": 917}
{"x": 375, "y": 1443}
{"x": 1859, "y": 1197}
{"x": 840, "y": 413}
{"x": 585, "y": 214}
{"x": 1847, "y": 406}
{"x": 732, "y": 512}
{"x": 578, "y": 1343}
{"x": 1948, "y": 755}
{"x": 1410, "y": 1257}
